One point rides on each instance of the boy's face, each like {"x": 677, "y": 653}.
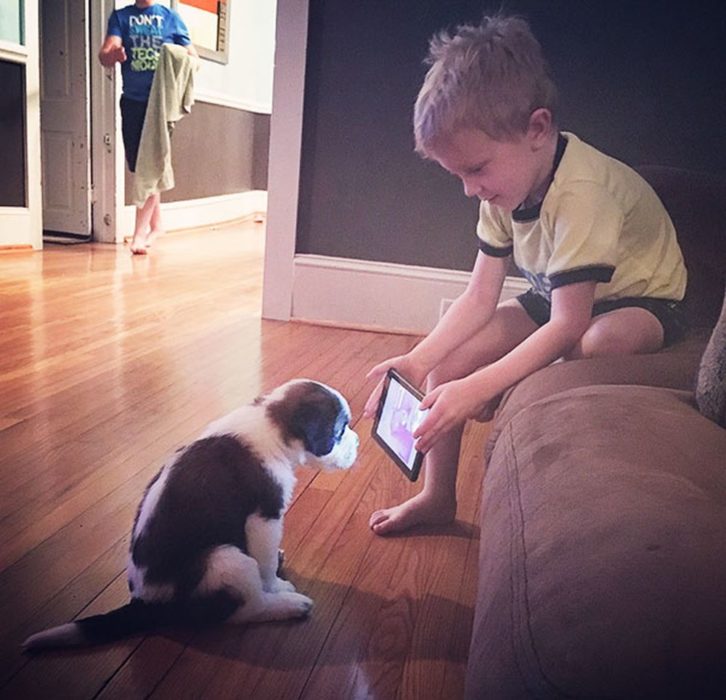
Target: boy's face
{"x": 503, "y": 173}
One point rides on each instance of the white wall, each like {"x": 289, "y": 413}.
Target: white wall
{"x": 246, "y": 81}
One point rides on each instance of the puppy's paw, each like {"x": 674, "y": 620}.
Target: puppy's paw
{"x": 279, "y": 585}
{"x": 298, "y": 605}
{"x": 283, "y": 586}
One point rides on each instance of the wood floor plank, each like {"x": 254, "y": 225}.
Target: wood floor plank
{"x": 109, "y": 362}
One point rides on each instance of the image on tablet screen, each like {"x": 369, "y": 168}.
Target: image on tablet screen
{"x": 399, "y": 419}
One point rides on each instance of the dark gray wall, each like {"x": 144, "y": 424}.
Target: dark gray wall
{"x": 12, "y": 134}
{"x": 643, "y": 81}
{"x": 217, "y": 150}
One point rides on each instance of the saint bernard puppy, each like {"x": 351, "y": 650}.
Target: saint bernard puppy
{"x": 205, "y": 542}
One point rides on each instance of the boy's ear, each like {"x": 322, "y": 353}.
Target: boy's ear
{"x": 540, "y": 127}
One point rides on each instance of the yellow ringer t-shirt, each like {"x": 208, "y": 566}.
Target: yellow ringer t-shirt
{"x": 599, "y": 220}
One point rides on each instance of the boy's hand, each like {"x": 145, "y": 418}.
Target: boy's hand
{"x": 450, "y": 405}
{"x": 117, "y": 54}
{"x": 400, "y": 363}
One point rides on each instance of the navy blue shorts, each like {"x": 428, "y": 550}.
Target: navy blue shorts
{"x": 670, "y": 313}
{"x": 132, "y": 122}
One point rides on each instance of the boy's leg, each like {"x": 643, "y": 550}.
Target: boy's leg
{"x": 143, "y": 220}
{"x": 436, "y": 502}
{"x": 156, "y": 226}
{"x": 627, "y": 331}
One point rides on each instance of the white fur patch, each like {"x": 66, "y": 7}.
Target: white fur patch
{"x": 263, "y": 537}
{"x": 134, "y": 574}
{"x": 344, "y": 453}
{"x": 61, "y": 636}
{"x": 228, "y": 568}
{"x": 151, "y": 500}
{"x": 251, "y": 426}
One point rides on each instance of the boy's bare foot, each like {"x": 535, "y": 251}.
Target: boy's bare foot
{"x": 419, "y": 510}
{"x": 153, "y": 235}
{"x": 138, "y": 245}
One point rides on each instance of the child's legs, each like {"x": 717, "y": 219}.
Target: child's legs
{"x": 509, "y": 326}
{"x": 143, "y": 220}
{"x": 626, "y": 331}
{"x": 157, "y": 227}
{"x": 436, "y": 503}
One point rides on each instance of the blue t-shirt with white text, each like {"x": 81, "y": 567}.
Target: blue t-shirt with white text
{"x": 143, "y": 31}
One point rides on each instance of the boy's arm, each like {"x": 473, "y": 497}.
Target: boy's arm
{"x": 469, "y": 313}
{"x": 455, "y": 401}
{"x": 570, "y": 318}
{"x": 112, "y": 51}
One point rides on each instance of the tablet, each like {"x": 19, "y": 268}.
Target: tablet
{"x": 397, "y": 418}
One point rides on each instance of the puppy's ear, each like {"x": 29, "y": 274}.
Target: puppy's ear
{"x": 315, "y": 430}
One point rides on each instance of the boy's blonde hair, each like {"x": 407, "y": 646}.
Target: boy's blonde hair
{"x": 489, "y": 77}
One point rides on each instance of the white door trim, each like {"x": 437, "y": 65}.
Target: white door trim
{"x": 23, "y": 226}
{"x": 107, "y": 161}
{"x": 285, "y": 155}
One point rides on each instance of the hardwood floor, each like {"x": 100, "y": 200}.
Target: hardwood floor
{"x": 109, "y": 362}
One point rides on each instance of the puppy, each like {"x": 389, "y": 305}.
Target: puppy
{"x": 205, "y": 542}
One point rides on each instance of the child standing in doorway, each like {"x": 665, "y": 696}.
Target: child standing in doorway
{"x": 134, "y": 38}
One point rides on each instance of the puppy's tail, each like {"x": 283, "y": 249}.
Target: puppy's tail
{"x": 136, "y": 617}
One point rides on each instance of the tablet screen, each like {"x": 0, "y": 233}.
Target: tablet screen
{"x": 397, "y": 418}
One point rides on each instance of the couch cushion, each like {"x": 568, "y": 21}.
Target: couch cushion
{"x": 674, "y": 368}
{"x": 603, "y": 544}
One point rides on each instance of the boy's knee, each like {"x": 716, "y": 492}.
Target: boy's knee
{"x": 439, "y": 375}
{"x": 599, "y": 342}
{"x": 446, "y": 371}
{"x": 638, "y": 333}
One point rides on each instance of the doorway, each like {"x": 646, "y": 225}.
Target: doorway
{"x": 65, "y": 121}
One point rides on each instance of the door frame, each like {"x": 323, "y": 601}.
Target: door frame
{"x": 23, "y": 226}
{"x": 286, "y": 124}
{"x": 107, "y": 163}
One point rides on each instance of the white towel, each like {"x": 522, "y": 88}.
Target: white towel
{"x": 171, "y": 97}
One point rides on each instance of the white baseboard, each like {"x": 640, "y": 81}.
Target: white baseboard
{"x": 376, "y": 295}
{"x": 195, "y": 213}
{"x": 224, "y": 100}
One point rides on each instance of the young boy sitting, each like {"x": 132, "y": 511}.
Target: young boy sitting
{"x": 587, "y": 232}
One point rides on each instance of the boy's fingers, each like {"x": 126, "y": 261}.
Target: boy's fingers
{"x": 378, "y": 370}
{"x": 372, "y": 404}
{"x": 429, "y": 399}
{"x": 424, "y": 427}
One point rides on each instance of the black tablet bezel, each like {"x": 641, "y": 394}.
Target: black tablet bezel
{"x": 410, "y": 472}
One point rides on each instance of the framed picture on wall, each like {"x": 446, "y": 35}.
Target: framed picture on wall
{"x": 208, "y": 23}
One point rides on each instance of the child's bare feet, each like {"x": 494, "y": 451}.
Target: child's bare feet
{"x": 138, "y": 244}
{"x": 419, "y": 510}
{"x": 153, "y": 235}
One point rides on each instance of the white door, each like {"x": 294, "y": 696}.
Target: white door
{"x": 64, "y": 119}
